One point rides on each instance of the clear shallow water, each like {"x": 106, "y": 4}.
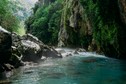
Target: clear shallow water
{"x": 85, "y": 68}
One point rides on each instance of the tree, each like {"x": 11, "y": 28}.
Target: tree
{"x": 45, "y": 22}
{"x": 7, "y": 19}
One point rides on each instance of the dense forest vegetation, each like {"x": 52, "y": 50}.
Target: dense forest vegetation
{"x": 13, "y": 13}
{"x": 94, "y": 24}
{"x": 45, "y": 22}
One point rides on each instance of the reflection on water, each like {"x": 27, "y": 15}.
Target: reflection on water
{"x": 78, "y": 69}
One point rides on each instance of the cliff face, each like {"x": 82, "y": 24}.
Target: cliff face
{"x": 74, "y": 24}
{"x": 122, "y": 6}
{"x": 91, "y": 24}
{"x": 95, "y": 25}
{"x": 122, "y": 30}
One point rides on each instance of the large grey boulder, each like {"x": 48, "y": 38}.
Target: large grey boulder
{"x": 51, "y": 53}
{"x": 32, "y": 49}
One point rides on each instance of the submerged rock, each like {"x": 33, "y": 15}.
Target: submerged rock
{"x": 80, "y": 50}
{"x": 64, "y": 52}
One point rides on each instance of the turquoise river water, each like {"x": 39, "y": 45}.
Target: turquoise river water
{"x": 85, "y": 68}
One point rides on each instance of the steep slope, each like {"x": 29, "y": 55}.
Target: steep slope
{"x": 75, "y": 28}
{"x": 92, "y": 24}
{"x": 102, "y": 21}
{"x": 45, "y": 21}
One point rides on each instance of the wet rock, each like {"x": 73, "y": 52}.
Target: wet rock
{"x": 16, "y": 57}
{"x": 16, "y": 61}
{"x": 8, "y": 67}
{"x": 89, "y": 60}
{"x": 69, "y": 54}
{"x": 50, "y": 52}
{"x": 80, "y": 50}
{"x": 64, "y": 53}
{"x": 75, "y": 52}
{"x": 30, "y": 64}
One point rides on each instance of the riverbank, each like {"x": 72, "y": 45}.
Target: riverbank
{"x": 16, "y": 50}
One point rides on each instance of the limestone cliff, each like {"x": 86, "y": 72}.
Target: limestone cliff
{"x": 74, "y": 24}
{"x": 122, "y": 29}
{"x": 95, "y": 25}
{"x": 122, "y": 6}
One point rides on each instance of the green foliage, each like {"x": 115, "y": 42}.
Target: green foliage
{"x": 54, "y": 26}
{"x": 45, "y": 22}
{"x": 7, "y": 20}
{"x": 105, "y": 23}
{"x": 3, "y": 4}
{"x": 3, "y": 9}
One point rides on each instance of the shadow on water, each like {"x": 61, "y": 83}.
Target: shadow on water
{"x": 78, "y": 69}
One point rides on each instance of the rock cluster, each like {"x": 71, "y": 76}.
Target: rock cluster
{"x": 15, "y": 50}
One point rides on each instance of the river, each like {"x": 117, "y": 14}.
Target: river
{"x": 85, "y": 68}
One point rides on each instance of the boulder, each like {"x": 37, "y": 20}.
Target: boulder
{"x": 32, "y": 49}
{"x": 51, "y": 52}
{"x": 8, "y": 54}
{"x": 5, "y": 45}
{"x": 32, "y": 38}
{"x": 64, "y": 53}
{"x": 8, "y": 67}
{"x": 16, "y": 61}
{"x": 75, "y": 52}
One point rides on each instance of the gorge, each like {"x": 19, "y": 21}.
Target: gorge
{"x": 61, "y": 40}
{"x": 98, "y": 25}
